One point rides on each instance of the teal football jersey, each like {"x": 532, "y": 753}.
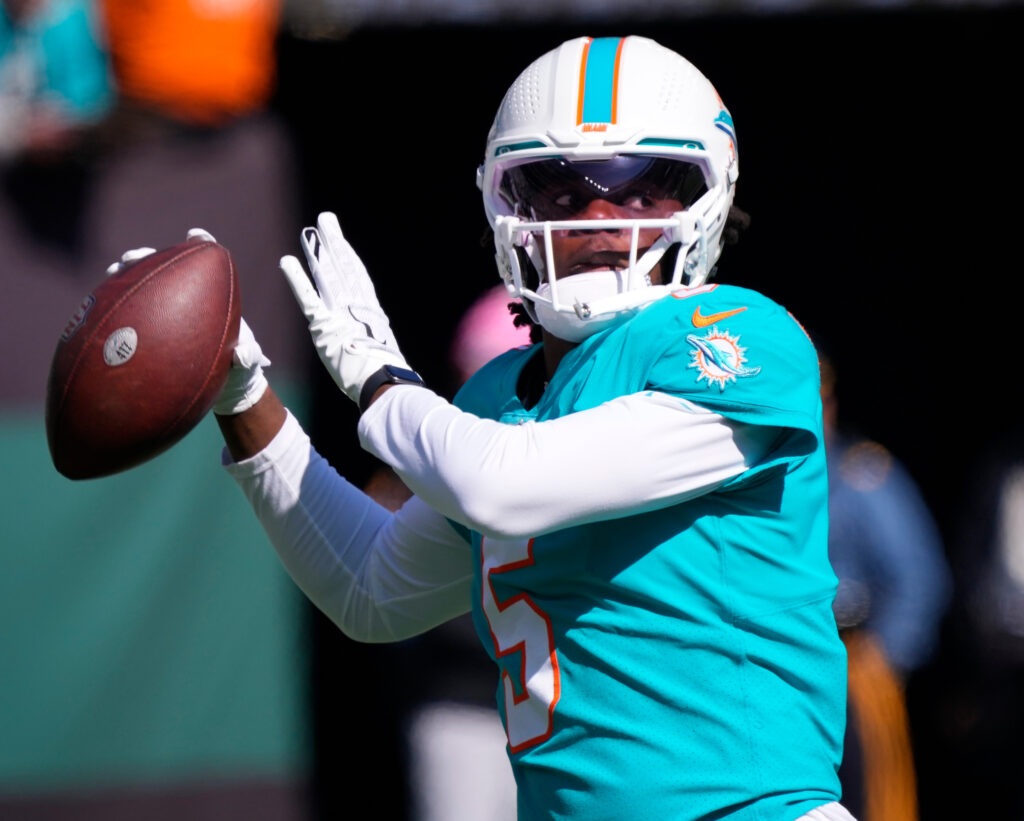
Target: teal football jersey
{"x": 682, "y": 663}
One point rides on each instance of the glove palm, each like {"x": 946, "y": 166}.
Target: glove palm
{"x": 350, "y": 331}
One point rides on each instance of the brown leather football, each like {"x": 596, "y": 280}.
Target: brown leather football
{"x": 142, "y": 360}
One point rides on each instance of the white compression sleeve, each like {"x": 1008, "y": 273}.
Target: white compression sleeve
{"x": 632, "y": 454}
{"x": 379, "y": 576}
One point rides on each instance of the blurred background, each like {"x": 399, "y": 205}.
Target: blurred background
{"x": 155, "y": 661}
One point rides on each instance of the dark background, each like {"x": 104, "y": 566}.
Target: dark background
{"x": 879, "y": 159}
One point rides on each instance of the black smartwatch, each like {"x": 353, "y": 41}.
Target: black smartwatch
{"x": 388, "y": 375}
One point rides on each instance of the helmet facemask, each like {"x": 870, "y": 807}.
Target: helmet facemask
{"x": 650, "y": 199}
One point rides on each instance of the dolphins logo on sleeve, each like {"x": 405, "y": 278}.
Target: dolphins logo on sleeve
{"x": 719, "y": 358}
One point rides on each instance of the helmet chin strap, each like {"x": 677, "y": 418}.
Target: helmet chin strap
{"x": 638, "y": 288}
{"x": 576, "y": 319}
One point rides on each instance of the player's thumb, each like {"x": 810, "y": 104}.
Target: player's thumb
{"x": 248, "y": 353}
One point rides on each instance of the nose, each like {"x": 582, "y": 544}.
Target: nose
{"x": 598, "y": 209}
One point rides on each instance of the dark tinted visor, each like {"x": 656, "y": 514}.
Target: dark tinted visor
{"x": 557, "y": 189}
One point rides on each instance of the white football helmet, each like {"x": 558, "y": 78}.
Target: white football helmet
{"x": 602, "y": 119}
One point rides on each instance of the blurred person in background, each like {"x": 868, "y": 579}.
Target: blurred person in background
{"x": 55, "y": 92}
{"x": 55, "y": 81}
{"x": 894, "y": 587}
{"x": 484, "y": 331}
{"x": 983, "y": 681}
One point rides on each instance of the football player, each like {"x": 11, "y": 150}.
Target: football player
{"x": 635, "y": 509}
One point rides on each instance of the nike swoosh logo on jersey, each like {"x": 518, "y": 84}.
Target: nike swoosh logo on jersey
{"x": 701, "y": 321}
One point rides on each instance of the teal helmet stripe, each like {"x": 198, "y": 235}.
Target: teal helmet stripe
{"x": 504, "y": 149}
{"x": 598, "y": 85}
{"x": 696, "y": 145}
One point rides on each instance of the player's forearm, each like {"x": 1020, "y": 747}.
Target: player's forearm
{"x": 627, "y": 456}
{"x": 377, "y": 575}
{"x": 249, "y": 432}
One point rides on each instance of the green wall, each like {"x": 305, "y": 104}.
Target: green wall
{"x": 149, "y": 632}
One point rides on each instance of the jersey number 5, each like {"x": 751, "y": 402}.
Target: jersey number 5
{"x": 519, "y": 626}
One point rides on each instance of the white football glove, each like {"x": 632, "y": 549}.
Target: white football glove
{"x": 135, "y": 254}
{"x": 246, "y": 382}
{"x": 351, "y": 333}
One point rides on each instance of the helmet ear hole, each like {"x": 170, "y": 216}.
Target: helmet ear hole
{"x": 530, "y": 276}
{"x": 669, "y": 263}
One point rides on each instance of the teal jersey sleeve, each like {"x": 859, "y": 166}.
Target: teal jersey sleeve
{"x": 727, "y": 349}
{"x": 730, "y": 350}
{"x": 736, "y": 352}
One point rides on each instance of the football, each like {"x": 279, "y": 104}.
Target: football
{"x": 142, "y": 360}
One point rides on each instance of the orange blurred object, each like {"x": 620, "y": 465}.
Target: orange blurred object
{"x": 201, "y": 61}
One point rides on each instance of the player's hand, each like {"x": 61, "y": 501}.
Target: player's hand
{"x": 351, "y": 333}
{"x": 135, "y": 254}
{"x": 246, "y": 381}
{"x": 127, "y": 258}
